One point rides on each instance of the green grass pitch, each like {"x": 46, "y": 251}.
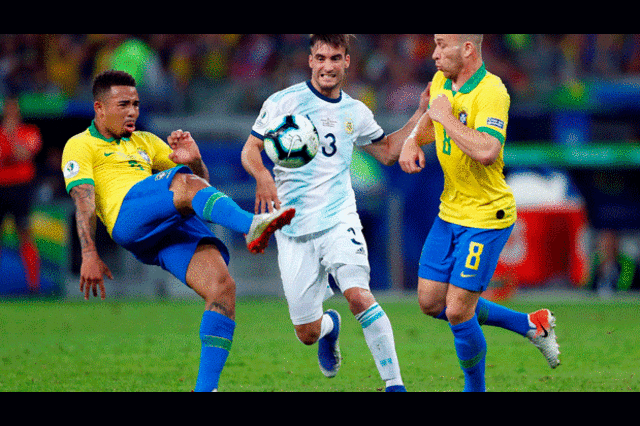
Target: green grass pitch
{"x": 144, "y": 346}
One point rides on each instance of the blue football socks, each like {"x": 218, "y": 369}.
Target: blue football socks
{"x": 471, "y": 348}
{"x": 490, "y": 313}
{"x": 216, "y": 334}
{"x": 214, "y": 206}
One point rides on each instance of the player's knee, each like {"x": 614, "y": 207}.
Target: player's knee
{"x": 225, "y": 286}
{"x": 183, "y": 181}
{"x": 431, "y": 307}
{"x": 457, "y": 315}
{"x": 308, "y": 339}
{"x": 359, "y": 299}
{"x": 184, "y": 187}
{"x": 195, "y": 183}
{"x": 355, "y": 278}
{"x": 307, "y": 335}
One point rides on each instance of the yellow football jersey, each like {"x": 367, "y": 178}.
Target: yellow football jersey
{"x": 474, "y": 195}
{"x": 113, "y": 166}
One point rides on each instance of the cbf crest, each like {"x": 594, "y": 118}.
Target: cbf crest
{"x": 463, "y": 117}
{"x": 144, "y": 155}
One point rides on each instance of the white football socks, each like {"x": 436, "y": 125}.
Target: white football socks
{"x": 379, "y": 337}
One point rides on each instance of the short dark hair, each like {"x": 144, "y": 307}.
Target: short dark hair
{"x": 476, "y": 39}
{"x": 337, "y": 40}
{"x": 103, "y": 81}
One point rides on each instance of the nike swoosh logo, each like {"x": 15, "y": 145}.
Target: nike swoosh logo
{"x": 546, "y": 333}
{"x": 463, "y": 275}
{"x": 106, "y": 154}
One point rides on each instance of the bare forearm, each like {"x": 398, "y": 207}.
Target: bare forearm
{"x": 251, "y": 158}
{"x": 200, "y": 169}
{"x": 388, "y": 151}
{"x": 423, "y": 133}
{"x": 93, "y": 268}
{"x": 480, "y": 146}
{"x": 266, "y": 191}
{"x": 86, "y": 220}
{"x": 397, "y": 138}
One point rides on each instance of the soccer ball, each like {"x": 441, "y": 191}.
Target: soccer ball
{"x": 291, "y": 140}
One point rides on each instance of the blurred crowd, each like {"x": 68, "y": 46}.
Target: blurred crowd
{"x": 182, "y": 73}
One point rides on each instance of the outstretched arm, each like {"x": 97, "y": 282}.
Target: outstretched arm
{"x": 93, "y": 269}
{"x": 266, "y": 192}
{"x": 412, "y": 159}
{"x": 387, "y": 151}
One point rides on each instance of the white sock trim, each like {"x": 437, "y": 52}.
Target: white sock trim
{"x": 326, "y": 326}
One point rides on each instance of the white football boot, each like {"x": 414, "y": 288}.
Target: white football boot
{"x": 264, "y": 225}
{"x": 543, "y": 335}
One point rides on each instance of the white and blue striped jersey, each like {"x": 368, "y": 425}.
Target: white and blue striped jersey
{"x": 321, "y": 190}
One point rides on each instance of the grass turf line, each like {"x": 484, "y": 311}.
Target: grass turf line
{"x": 150, "y": 346}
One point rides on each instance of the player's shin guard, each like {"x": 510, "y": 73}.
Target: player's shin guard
{"x": 471, "y": 348}
{"x": 216, "y": 334}
{"x": 216, "y": 207}
{"x": 379, "y": 337}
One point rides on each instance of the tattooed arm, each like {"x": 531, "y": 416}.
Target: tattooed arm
{"x": 92, "y": 268}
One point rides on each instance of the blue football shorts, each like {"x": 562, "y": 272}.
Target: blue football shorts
{"x": 462, "y": 256}
{"x": 150, "y": 227}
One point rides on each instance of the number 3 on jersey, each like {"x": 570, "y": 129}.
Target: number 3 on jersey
{"x": 332, "y": 145}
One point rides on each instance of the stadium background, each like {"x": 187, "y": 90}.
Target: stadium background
{"x": 572, "y": 149}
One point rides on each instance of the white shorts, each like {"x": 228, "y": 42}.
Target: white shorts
{"x": 306, "y": 262}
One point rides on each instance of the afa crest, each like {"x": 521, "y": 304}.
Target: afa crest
{"x": 348, "y": 126}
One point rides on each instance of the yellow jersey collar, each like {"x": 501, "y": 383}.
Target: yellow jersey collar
{"x": 93, "y": 130}
{"x": 470, "y": 84}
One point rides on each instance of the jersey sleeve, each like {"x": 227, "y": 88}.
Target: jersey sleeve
{"x": 493, "y": 112}
{"x": 77, "y": 163}
{"x": 369, "y": 131}
{"x": 269, "y": 111}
